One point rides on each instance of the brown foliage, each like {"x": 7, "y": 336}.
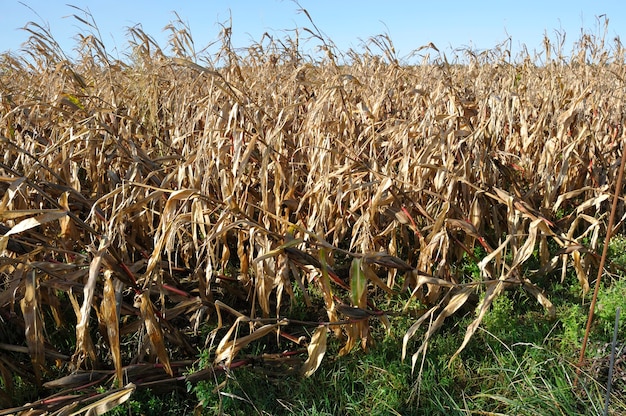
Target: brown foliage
{"x": 231, "y": 179}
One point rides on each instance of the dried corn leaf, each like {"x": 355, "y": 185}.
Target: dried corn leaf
{"x": 526, "y": 250}
{"x": 324, "y": 281}
{"x": 569, "y": 195}
{"x": 541, "y": 298}
{"x": 77, "y": 379}
{"x": 68, "y": 231}
{"x": 155, "y": 333}
{"x": 227, "y": 348}
{"x": 278, "y": 250}
{"x": 84, "y": 344}
{"x": 413, "y": 329}
{"x": 384, "y": 319}
{"x": 353, "y": 332}
{"x": 497, "y": 254}
{"x": 107, "y": 403}
{"x": 18, "y": 213}
{"x": 592, "y": 202}
{"x": 371, "y": 275}
{"x": 422, "y": 279}
{"x": 453, "y": 304}
{"x": 492, "y": 292}
{"x": 387, "y": 260}
{"x": 27, "y": 224}
{"x": 33, "y": 325}
{"x": 469, "y": 229}
{"x": 109, "y": 314}
{"x": 167, "y": 222}
{"x": 327, "y": 293}
{"x": 11, "y": 193}
{"x": 354, "y": 312}
{"x": 580, "y": 271}
{"x": 316, "y": 350}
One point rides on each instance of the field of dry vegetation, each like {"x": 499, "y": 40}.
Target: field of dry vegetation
{"x": 174, "y": 201}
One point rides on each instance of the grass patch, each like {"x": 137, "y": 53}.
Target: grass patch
{"x": 517, "y": 364}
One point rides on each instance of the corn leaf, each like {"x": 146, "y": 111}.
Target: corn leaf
{"x": 33, "y": 324}
{"x": 155, "y": 333}
{"x": 316, "y": 350}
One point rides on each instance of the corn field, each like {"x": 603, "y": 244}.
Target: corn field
{"x": 147, "y": 199}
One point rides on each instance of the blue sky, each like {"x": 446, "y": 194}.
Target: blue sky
{"x": 448, "y": 24}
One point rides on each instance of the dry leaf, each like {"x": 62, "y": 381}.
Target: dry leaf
{"x": 153, "y": 328}
{"x": 107, "y": 403}
{"x": 316, "y": 350}
{"x": 492, "y": 292}
{"x": 109, "y": 313}
{"x": 33, "y": 325}
{"x": 84, "y": 344}
{"x": 455, "y": 302}
{"x": 541, "y": 298}
{"x": 27, "y": 224}
{"x": 227, "y": 348}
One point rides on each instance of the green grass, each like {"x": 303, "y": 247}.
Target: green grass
{"x": 377, "y": 383}
{"x": 148, "y": 402}
{"x": 511, "y": 367}
{"x": 520, "y": 362}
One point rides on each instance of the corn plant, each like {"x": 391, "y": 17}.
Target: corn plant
{"x": 145, "y": 197}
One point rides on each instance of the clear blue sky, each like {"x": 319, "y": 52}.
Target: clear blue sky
{"x": 411, "y": 24}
